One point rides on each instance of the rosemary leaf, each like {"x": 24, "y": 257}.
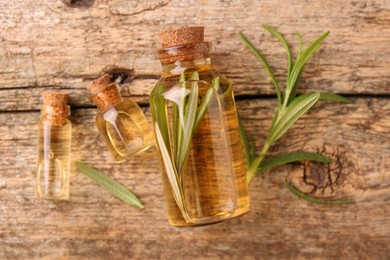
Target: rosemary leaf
{"x": 201, "y": 110}
{"x": 292, "y": 113}
{"x": 159, "y": 107}
{"x": 302, "y": 97}
{"x": 293, "y": 92}
{"x": 175, "y": 128}
{"x": 178, "y": 108}
{"x": 311, "y": 199}
{"x": 284, "y": 42}
{"x": 298, "y": 66}
{"x": 189, "y": 123}
{"x": 180, "y": 120}
{"x": 245, "y": 144}
{"x": 109, "y": 184}
{"x": 335, "y": 97}
{"x": 282, "y": 159}
{"x": 182, "y": 78}
{"x": 265, "y": 63}
{"x": 194, "y": 76}
{"x": 169, "y": 169}
{"x": 325, "y": 96}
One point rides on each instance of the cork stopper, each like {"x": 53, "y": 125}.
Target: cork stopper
{"x": 182, "y": 36}
{"x": 55, "y": 107}
{"x": 105, "y": 93}
{"x": 99, "y": 84}
{"x": 51, "y": 98}
{"x": 183, "y": 44}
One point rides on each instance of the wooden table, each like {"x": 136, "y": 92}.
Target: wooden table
{"x": 55, "y": 45}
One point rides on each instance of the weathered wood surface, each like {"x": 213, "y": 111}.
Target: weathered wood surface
{"x": 46, "y": 43}
{"x": 94, "y": 224}
{"x": 53, "y": 45}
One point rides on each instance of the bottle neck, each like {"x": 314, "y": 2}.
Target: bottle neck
{"x": 107, "y": 97}
{"x": 178, "y": 67}
{"x": 181, "y": 58}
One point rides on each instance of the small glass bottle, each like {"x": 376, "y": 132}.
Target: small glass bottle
{"x": 196, "y": 127}
{"x": 54, "y": 144}
{"x": 120, "y": 121}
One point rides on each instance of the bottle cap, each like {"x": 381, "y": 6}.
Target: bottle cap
{"x": 53, "y": 98}
{"x": 182, "y": 36}
{"x": 183, "y": 44}
{"x": 99, "y": 84}
{"x": 55, "y": 107}
{"x": 105, "y": 93}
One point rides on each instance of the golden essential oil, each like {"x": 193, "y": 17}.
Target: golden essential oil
{"x": 54, "y": 148}
{"x": 213, "y": 178}
{"x": 120, "y": 121}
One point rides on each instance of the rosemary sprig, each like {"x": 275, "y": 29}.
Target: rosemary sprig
{"x": 186, "y": 117}
{"x": 109, "y": 184}
{"x": 290, "y": 108}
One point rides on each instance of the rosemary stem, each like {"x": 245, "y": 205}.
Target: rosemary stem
{"x": 253, "y": 169}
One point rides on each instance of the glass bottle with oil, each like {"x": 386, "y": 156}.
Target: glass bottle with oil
{"x": 196, "y": 127}
{"x": 120, "y": 121}
{"x": 54, "y": 144}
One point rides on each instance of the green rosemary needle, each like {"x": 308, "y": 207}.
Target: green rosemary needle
{"x": 109, "y": 184}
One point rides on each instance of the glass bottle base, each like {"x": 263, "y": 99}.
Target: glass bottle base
{"x": 210, "y": 220}
{"x": 64, "y": 197}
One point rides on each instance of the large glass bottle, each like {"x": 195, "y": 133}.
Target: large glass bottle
{"x": 196, "y": 127}
{"x": 54, "y": 143}
{"x": 120, "y": 121}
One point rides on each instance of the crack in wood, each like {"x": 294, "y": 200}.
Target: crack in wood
{"x": 126, "y": 75}
{"x": 124, "y": 8}
{"x": 79, "y": 3}
{"x": 11, "y": 103}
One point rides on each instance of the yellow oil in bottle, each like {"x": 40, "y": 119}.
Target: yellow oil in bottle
{"x": 54, "y": 144}
{"x": 54, "y": 148}
{"x": 124, "y": 129}
{"x": 215, "y": 183}
{"x": 120, "y": 121}
{"x": 212, "y": 181}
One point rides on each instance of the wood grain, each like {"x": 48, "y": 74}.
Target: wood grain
{"x": 64, "y": 45}
{"x": 48, "y": 44}
{"x": 93, "y": 224}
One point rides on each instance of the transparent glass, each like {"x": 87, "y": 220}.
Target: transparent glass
{"x": 54, "y": 144}
{"x": 213, "y": 175}
{"x": 124, "y": 129}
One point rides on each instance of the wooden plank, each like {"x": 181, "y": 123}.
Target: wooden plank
{"x": 10, "y": 99}
{"x": 93, "y": 224}
{"x": 47, "y": 43}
